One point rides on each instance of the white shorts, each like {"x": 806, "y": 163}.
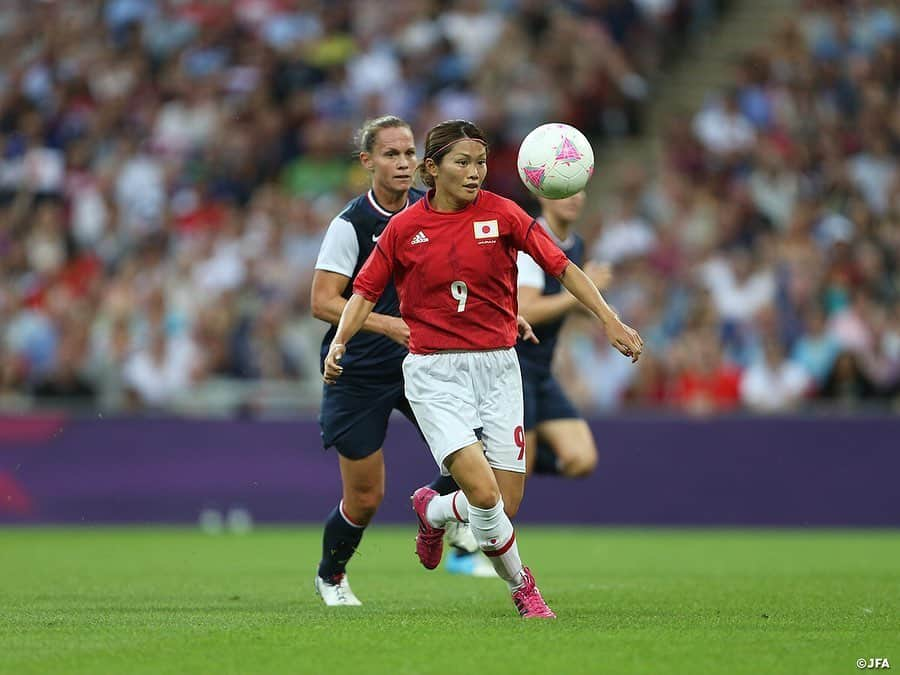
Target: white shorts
{"x": 454, "y": 393}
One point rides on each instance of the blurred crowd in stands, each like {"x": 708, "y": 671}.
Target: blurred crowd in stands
{"x": 168, "y": 169}
{"x": 760, "y": 258}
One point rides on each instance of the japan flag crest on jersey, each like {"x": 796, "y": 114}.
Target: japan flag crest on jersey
{"x": 486, "y": 229}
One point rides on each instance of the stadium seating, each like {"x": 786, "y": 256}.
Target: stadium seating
{"x": 168, "y": 169}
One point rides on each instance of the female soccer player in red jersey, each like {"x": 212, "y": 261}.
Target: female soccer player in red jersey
{"x": 452, "y": 257}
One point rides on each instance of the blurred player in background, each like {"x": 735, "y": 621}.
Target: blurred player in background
{"x": 452, "y": 256}
{"x": 557, "y": 440}
{"x": 355, "y": 412}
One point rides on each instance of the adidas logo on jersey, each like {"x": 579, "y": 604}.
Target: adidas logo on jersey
{"x": 420, "y": 238}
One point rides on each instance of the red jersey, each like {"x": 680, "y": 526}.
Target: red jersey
{"x": 456, "y": 273}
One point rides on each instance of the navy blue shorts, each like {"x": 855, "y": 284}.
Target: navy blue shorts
{"x": 355, "y": 413}
{"x": 544, "y": 398}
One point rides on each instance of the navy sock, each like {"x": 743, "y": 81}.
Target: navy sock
{"x": 546, "y": 461}
{"x": 339, "y": 542}
{"x": 443, "y": 485}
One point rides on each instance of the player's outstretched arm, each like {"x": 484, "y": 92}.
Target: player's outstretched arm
{"x": 353, "y": 317}
{"x": 622, "y": 337}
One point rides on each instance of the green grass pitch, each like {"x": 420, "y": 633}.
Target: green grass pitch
{"x": 156, "y": 600}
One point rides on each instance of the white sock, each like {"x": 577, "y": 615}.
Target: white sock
{"x": 496, "y": 537}
{"x": 448, "y": 508}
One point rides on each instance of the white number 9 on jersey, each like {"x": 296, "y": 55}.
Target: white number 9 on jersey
{"x": 460, "y": 293}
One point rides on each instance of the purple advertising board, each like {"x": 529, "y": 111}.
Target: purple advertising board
{"x": 653, "y": 471}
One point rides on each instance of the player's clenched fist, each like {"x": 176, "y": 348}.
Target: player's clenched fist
{"x": 333, "y": 369}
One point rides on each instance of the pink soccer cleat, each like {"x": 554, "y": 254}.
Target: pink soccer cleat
{"x": 528, "y": 600}
{"x": 429, "y": 540}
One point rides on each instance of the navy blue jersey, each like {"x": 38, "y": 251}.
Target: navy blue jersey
{"x": 350, "y": 239}
{"x": 540, "y": 356}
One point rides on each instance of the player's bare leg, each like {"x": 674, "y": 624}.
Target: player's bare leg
{"x": 512, "y": 489}
{"x": 475, "y": 477}
{"x": 363, "y": 490}
{"x": 531, "y": 446}
{"x": 363, "y": 486}
{"x": 572, "y": 443}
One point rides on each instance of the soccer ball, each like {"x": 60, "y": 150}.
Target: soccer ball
{"x": 555, "y": 161}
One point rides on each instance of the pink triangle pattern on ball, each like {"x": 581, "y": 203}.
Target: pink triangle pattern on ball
{"x": 534, "y": 175}
{"x": 567, "y": 152}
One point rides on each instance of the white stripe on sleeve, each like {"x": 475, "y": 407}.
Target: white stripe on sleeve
{"x": 340, "y": 248}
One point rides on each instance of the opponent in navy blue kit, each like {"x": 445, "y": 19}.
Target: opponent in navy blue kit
{"x": 355, "y": 412}
{"x": 557, "y": 439}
